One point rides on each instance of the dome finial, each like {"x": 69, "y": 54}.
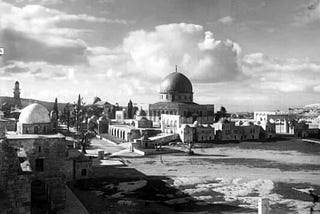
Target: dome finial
{"x": 176, "y": 68}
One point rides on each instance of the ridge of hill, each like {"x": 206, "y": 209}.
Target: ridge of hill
{"x": 27, "y": 101}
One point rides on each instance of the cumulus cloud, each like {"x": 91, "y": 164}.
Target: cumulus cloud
{"x": 15, "y": 69}
{"x": 196, "y": 52}
{"x": 308, "y": 12}
{"x": 41, "y": 2}
{"x": 284, "y": 75}
{"x": 226, "y": 20}
{"x": 20, "y": 47}
{"x": 38, "y": 71}
{"x": 34, "y": 33}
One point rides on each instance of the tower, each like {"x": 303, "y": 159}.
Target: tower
{"x": 16, "y": 95}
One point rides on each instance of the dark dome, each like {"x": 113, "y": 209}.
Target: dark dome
{"x": 176, "y": 82}
{"x": 96, "y": 99}
{"x": 141, "y": 113}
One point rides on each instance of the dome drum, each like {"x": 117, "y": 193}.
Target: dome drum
{"x": 177, "y": 97}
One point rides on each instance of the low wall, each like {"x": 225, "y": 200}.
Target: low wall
{"x": 162, "y": 139}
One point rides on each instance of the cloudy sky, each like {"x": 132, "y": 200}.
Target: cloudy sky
{"x": 245, "y": 55}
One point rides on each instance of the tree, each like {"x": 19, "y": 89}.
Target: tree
{"x": 134, "y": 110}
{"x": 79, "y": 102}
{"x": 77, "y": 109}
{"x": 66, "y": 115}
{"x": 221, "y": 114}
{"x": 86, "y": 136}
{"x": 55, "y": 108}
{"x": 129, "y": 109}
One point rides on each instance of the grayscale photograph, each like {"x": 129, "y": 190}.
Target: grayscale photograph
{"x": 159, "y": 106}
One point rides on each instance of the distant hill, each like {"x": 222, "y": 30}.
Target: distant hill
{"x": 308, "y": 112}
{"x": 26, "y": 101}
{"x": 312, "y": 106}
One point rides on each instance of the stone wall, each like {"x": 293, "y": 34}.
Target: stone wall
{"x": 15, "y": 188}
{"x": 8, "y": 124}
{"x": 53, "y": 153}
{"x": 38, "y": 128}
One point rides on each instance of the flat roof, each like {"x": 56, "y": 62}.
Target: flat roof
{"x": 13, "y": 136}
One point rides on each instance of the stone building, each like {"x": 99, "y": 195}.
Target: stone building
{"x": 120, "y": 116}
{"x": 143, "y": 123}
{"x": 44, "y": 159}
{"x": 189, "y": 133}
{"x": 7, "y": 124}
{"x": 124, "y": 132}
{"x": 171, "y": 123}
{"x": 103, "y": 124}
{"x": 128, "y": 132}
{"x": 34, "y": 119}
{"x": 98, "y": 107}
{"x": 176, "y": 98}
{"x": 226, "y": 130}
{"x": 186, "y": 133}
{"x": 46, "y": 156}
{"x": 204, "y": 133}
{"x": 269, "y": 129}
{"x": 141, "y": 120}
{"x": 15, "y": 179}
{"x": 284, "y": 123}
{"x": 248, "y": 131}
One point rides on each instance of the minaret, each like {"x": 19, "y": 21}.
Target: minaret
{"x": 16, "y": 95}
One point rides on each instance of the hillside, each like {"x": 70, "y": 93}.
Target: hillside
{"x": 26, "y": 101}
{"x": 308, "y": 112}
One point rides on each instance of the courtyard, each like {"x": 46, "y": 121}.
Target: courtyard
{"x": 222, "y": 178}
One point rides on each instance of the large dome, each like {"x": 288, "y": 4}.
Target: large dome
{"x": 176, "y": 82}
{"x": 34, "y": 113}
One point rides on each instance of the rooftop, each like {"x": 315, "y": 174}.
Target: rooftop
{"x": 34, "y": 113}
{"x": 13, "y": 136}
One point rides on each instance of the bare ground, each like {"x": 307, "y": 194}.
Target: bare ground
{"x": 227, "y": 178}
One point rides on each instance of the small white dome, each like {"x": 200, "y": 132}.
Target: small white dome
{"x": 34, "y": 113}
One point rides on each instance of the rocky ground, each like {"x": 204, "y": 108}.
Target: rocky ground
{"x": 226, "y": 178}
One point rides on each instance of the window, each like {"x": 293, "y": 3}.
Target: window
{"x": 39, "y": 165}
{"x": 83, "y": 172}
{"x": 39, "y": 149}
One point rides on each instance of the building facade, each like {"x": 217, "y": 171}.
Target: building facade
{"x": 176, "y": 98}
{"x": 42, "y": 161}
{"x": 34, "y": 119}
